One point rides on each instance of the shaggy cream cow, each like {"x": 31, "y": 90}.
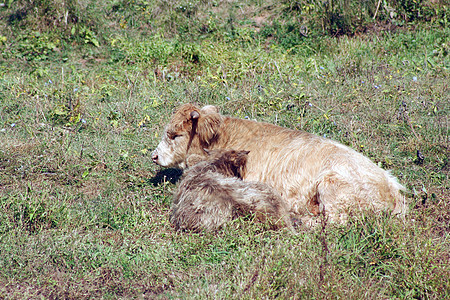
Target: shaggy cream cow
{"x": 313, "y": 174}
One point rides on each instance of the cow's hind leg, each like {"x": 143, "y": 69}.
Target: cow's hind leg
{"x": 334, "y": 195}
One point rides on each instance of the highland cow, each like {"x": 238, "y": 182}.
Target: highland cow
{"x": 312, "y": 173}
{"x": 211, "y": 194}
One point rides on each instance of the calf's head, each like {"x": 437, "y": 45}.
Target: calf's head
{"x": 228, "y": 162}
{"x": 189, "y": 131}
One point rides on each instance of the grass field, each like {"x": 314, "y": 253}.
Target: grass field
{"x": 86, "y": 89}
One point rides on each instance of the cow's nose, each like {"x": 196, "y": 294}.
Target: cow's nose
{"x": 154, "y": 156}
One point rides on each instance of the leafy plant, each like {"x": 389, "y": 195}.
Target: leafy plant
{"x": 36, "y": 46}
{"x": 86, "y": 34}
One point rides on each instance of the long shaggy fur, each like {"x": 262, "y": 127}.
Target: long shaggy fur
{"x": 211, "y": 194}
{"x": 310, "y": 172}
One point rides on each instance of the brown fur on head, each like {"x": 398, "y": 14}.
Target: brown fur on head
{"x": 228, "y": 162}
{"x": 205, "y": 121}
{"x": 189, "y": 130}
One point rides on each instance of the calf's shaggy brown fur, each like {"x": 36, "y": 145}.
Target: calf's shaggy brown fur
{"x": 311, "y": 173}
{"x": 211, "y": 194}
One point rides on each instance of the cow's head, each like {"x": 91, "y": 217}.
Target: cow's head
{"x": 190, "y": 130}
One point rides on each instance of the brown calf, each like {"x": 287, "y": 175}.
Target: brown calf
{"x": 211, "y": 194}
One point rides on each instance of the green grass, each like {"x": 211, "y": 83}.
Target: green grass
{"x": 84, "y": 212}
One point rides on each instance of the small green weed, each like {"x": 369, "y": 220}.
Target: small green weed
{"x": 36, "y": 46}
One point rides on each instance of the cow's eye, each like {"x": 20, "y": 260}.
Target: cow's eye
{"x": 173, "y": 136}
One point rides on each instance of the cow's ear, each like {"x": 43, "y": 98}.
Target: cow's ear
{"x": 194, "y": 115}
{"x": 241, "y": 161}
{"x": 209, "y": 109}
{"x": 208, "y": 127}
{"x": 184, "y": 115}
